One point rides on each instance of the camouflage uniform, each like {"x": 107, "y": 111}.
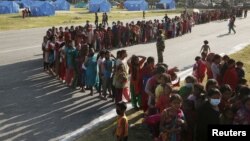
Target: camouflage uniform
{"x": 160, "y": 45}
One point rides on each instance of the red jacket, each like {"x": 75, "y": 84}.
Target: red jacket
{"x": 231, "y": 78}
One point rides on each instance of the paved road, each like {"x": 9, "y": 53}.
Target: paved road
{"x": 36, "y": 107}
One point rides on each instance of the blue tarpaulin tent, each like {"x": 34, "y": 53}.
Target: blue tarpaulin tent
{"x": 61, "y": 5}
{"x": 7, "y": 7}
{"x": 39, "y": 8}
{"x": 136, "y": 5}
{"x": 25, "y": 3}
{"x": 99, "y": 6}
{"x": 168, "y": 4}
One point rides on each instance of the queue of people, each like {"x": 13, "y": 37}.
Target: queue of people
{"x": 80, "y": 57}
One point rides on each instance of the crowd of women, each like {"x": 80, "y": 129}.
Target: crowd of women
{"x": 184, "y": 113}
{"x": 126, "y": 34}
{"x": 173, "y": 113}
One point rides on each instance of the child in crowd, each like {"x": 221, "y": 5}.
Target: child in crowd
{"x": 172, "y": 120}
{"x": 239, "y": 69}
{"x": 205, "y": 48}
{"x": 121, "y": 131}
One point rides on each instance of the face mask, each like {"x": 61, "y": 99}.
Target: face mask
{"x": 189, "y": 85}
{"x": 214, "y": 102}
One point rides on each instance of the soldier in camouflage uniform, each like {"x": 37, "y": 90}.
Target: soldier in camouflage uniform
{"x": 160, "y": 45}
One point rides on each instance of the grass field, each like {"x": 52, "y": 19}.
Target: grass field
{"x": 74, "y": 16}
{"x": 138, "y": 131}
